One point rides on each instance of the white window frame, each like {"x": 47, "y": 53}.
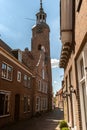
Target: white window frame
{"x": 82, "y": 81}
{"x": 6, "y": 76}
{"x": 6, "y": 93}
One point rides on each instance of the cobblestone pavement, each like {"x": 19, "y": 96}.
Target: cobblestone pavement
{"x": 48, "y": 121}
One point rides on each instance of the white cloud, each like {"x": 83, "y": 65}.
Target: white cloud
{"x": 54, "y": 63}
{"x": 55, "y": 82}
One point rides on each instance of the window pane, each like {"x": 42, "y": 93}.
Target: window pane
{"x": 25, "y": 80}
{"x": 37, "y": 104}
{"x": 2, "y": 100}
{"x": 4, "y": 70}
{"x": 82, "y": 68}
{"x": 25, "y": 104}
{"x": 29, "y": 82}
{"x": 9, "y": 71}
{"x": 4, "y": 104}
{"x": 28, "y": 104}
{"x": 39, "y": 85}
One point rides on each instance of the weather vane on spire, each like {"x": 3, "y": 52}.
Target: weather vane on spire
{"x": 41, "y": 3}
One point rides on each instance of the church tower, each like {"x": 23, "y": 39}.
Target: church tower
{"x": 40, "y": 48}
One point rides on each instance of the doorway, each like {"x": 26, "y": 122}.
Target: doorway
{"x": 17, "y": 107}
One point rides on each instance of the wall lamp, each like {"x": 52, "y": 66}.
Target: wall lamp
{"x": 66, "y": 94}
{"x": 72, "y": 90}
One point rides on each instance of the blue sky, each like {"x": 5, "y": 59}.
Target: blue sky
{"x": 16, "y": 30}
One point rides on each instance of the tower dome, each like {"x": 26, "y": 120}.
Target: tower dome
{"x": 41, "y": 15}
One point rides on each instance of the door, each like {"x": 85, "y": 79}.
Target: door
{"x": 17, "y": 107}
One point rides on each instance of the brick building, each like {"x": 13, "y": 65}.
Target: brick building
{"x": 59, "y": 99}
{"x": 73, "y": 15}
{"x": 25, "y": 88}
{"x": 40, "y": 48}
{"x": 15, "y": 86}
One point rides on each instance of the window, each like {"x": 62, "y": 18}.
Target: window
{"x": 40, "y": 16}
{"x": 45, "y": 88}
{"x": 39, "y": 85}
{"x": 4, "y": 103}
{"x": 26, "y": 104}
{"x": 38, "y": 104}
{"x": 7, "y": 71}
{"x": 43, "y": 103}
{"x": 4, "y": 70}
{"x": 82, "y": 68}
{"x": 43, "y": 74}
{"x": 19, "y": 76}
{"x": 84, "y": 101}
{"x": 27, "y": 81}
{"x": 39, "y": 47}
{"x": 42, "y": 87}
{"x": 43, "y": 17}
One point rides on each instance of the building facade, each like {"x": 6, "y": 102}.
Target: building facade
{"x": 41, "y": 51}
{"x": 15, "y": 86}
{"x": 73, "y": 60}
{"x": 59, "y": 99}
{"x": 25, "y": 76}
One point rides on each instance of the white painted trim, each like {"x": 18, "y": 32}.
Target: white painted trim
{"x": 83, "y": 56}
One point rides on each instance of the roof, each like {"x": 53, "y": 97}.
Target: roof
{"x": 5, "y": 46}
{"x": 59, "y": 92}
{"x": 27, "y": 57}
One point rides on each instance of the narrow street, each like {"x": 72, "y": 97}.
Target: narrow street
{"x": 48, "y": 121}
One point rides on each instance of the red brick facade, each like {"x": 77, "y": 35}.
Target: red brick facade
{"x": 73, "y": 60}
{"x": 16, "y": 89}
{"x": 59, "y": 99}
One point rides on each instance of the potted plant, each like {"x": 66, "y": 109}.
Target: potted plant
{"x": 63, "y": 125}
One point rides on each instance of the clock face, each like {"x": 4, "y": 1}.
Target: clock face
{"x": 39, "y": 29}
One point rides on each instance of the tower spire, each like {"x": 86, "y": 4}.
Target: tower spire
{"x": 41, "y": 4}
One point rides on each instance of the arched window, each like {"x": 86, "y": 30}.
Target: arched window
{"x": 39, "y": 47}
{"x": 40, "y": 16}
